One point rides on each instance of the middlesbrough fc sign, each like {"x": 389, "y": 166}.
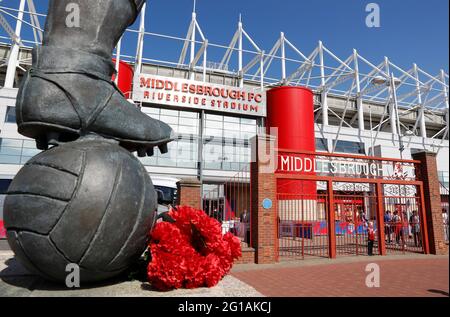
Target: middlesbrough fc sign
{"x": 199, "y": 95}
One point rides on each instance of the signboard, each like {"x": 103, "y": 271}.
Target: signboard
{"x": 267, "y": 203}
{"x": 192, "y": 94}
{"x": 344, "y": 167}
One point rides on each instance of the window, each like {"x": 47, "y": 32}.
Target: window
{"x": 322, "y": 145}
{"x": 415, "y": 151}
{"x": 444, "y": 179}
{"x": 15, "y": 151}
{"x": 10, "y": 115}
{"x": 349, "y": 147}
{"x": 4, "y": 184}
{"x": 169, "y": 195}
{"x": 182, "y": 152}
{"x": 226, "y": 142}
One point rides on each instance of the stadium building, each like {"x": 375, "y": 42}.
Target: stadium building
{"x": 217, "y": 98}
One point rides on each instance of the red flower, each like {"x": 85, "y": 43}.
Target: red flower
{"x": 191, "y": 252}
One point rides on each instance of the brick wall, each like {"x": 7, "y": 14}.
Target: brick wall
{"x": 431, "y": 187}
{"x": 248, "y": 256}
{"x": 189, "y": 193}
{"x": 264, "y": 223}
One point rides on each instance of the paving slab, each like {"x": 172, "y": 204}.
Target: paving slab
{"x": 399, "y": 276}
{"x": 15, "y": 281}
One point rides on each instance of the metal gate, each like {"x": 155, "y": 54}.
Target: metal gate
{"x": 304, "y": 221}
{"x": 403, "y": 224}
{"x": 230, "y": 204}
{"x": 353, "y": 213}
{"x": 328, "y": 203}
{"x": 302, "y": 226}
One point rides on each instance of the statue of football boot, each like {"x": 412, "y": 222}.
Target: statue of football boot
{"x": 68, "y": 91}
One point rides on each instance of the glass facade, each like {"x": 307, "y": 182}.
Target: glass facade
{"x": 444, "y": 179}
{"x": 226, "y": 140}
{"x": 15, "y": 151}
{"x": 10, "y": 115}
{"x": 349, "y": 147}
{"x": 184, "y": 151}
{"x": 321, "y": 145}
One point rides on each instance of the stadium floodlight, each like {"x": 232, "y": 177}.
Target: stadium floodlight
{"x": 380, "y": 80}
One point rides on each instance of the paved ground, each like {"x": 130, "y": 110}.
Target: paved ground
{"x": 17, "y": 282}
{"x": 411, "y": 275}
{"x": 408, "y": 275}
{"x": 4, "y": 245}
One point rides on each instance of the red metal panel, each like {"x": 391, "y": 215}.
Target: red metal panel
{"x": 331, "y": 221}
{"x": 424, "y": 226}
{"x": 350, "y": 156}
{"x": 380, "y": 219}
{"x": 126, "y": 74}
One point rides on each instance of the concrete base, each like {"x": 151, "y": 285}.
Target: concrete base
{"x": 15, "y": 281}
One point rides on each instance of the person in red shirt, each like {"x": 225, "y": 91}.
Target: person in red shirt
{"x": 370, "y": 238}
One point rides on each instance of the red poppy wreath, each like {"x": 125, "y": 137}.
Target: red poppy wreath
{"x": 190, "y": 251}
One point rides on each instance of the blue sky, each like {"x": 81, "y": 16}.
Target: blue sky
{"x": 411, "y": 30}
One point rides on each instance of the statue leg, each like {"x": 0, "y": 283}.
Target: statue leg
{"x": 68, "y": 92}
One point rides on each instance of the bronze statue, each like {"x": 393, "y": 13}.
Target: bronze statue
{"x": 87, "y": 201}
{"x": 69, "y": 92}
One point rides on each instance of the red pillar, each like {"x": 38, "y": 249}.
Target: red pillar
{"x": 291, "y": 111}
{"x": 331, "y": 222}
{"x": 380, "y": 219}
{"x": 126, "y": 75}
{"x": 424, "y": 226}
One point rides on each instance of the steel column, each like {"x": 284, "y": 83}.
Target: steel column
{"x": 324, "y": 95}
{"x": 423, "y": 127}
{"x": 240, "y": 55}
{"x": 118, "y": 52}
{"x": 283, "y": 58}
{"x": 359, "y": 101}
{"x": 140, "y": 46}
{"x": 192, "y": 55}
{"x": 15, "y": 49}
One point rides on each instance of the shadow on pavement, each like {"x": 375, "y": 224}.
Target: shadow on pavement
{"x": 435, "y": 291}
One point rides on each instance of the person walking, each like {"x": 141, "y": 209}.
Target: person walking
{"x": 245, "y": 225}
{"x": 397, "y": 223}
{"x": 415, "y": 228}
{"x": 387, "y": 226}
{"x": 404, "y": 229}
{"x": 445, "y": 223}
{"x": 363, "y": 217}
{"x": 370, "y": 238}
